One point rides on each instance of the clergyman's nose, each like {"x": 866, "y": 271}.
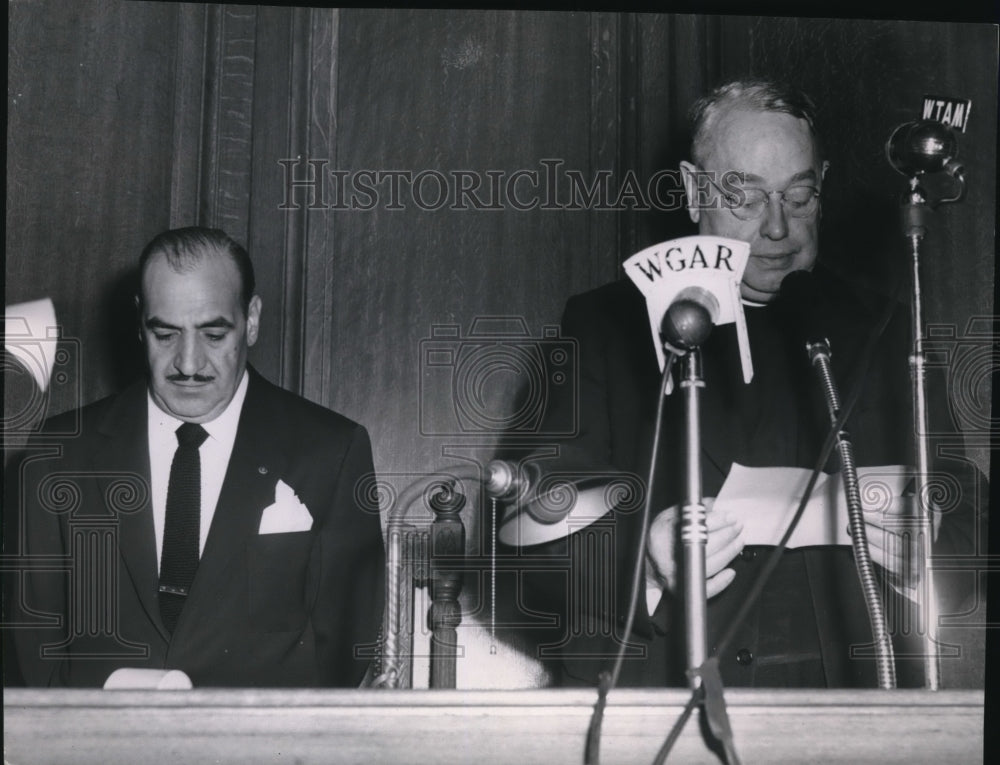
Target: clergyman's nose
{"x": 774, "y": 225}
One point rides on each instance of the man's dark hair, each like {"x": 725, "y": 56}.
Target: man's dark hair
{"x": 755, "y": 95}
{"x": 184, "y": 248}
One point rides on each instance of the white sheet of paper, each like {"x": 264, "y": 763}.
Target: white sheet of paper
{"x": 765, "y": 500}
{"x": 132, "y": 678}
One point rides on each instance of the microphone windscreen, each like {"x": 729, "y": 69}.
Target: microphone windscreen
{"x": 690, "y": 318}
{"x": 703, "y": 297}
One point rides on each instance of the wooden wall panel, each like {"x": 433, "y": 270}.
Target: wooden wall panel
{"x": 318, "y": 138}
{"x": 678, "y": 58}
{"x": 127, "y": 119}
{"x": 230, "y": 63}
{"x": 189, "y": 113}
{"x": 281, "y": 109}
{"x": 234, "y": 107}
{"x": 442, "y": 92}
{"x": 90, "y": 110}
{"x": 349, "y": 294}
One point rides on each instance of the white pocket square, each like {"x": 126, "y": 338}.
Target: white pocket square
{"x": 286, "y": 514}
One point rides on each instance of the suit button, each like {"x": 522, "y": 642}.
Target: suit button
{"x": 744, "y": 656}
{"x": 747, "y": 554}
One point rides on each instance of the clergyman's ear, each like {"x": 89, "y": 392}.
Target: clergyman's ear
{"x": 690, "y": 175}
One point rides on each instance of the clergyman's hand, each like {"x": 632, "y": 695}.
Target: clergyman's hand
{"x": 725, "y": 540}
{"x": 892, "y": 539}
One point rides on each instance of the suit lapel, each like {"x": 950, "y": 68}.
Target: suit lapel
{"x": 124, "y": 445}
{"x": 256, "y": 463}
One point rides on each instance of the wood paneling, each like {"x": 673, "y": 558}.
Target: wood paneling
{"x": 439, "y": 92}
{"x": 227, "y": 155}
{"x": 189, "y": 114}
{"x": 90, "y": 116}
{"x": 679, "y": 57}
{"x": 126, "y": 118}
{"x": 317, "y": 366}
{"x": 281, "y": 113}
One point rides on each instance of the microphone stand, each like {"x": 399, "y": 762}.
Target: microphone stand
{"x": 913, "y": 149}
{"x": 915, "y": 211}
{"x": 694, "y": 523}
{"x": 685, "y": 336}
{"x": 685, "y": 326}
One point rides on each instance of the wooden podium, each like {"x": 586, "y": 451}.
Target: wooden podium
{"x": 546, "y": 727}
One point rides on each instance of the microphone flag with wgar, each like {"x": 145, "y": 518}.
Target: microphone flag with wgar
{"x": 713, "y": 263}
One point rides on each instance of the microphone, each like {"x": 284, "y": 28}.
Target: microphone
{"x": 688, "y": 321}
{"x": 507, "y": 481}
{"x": 926, "y": 146}
{"x": 915, "y": 149}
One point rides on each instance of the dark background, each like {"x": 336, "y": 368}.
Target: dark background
{"x": 125, "y": 119}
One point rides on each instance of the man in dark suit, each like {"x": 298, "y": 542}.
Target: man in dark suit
{"x": 256, "y": 567}
{"x": 811, "y": 614}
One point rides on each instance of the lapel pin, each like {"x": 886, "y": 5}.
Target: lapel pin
{"x": 262, "y": 470}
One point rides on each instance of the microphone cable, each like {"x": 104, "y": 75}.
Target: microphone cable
{"x": 607, "y": 681}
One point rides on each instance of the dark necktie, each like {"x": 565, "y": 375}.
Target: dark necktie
{"x": 181, "y": 529}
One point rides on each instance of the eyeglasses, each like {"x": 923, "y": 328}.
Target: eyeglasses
{"x": 750, "y": 203}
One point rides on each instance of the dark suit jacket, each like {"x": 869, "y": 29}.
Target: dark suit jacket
{"x": 812, "y": 613}
{"x": 286, "y": 609}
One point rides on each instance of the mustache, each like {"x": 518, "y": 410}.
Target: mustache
{"x": 178, "y": 377}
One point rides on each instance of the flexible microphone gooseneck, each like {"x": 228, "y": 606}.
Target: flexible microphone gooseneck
{"x": 805, "y": 305}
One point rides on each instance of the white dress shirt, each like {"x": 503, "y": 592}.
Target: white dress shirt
{"x": 653, "y": 595}
{"x": 214, "y": 453}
